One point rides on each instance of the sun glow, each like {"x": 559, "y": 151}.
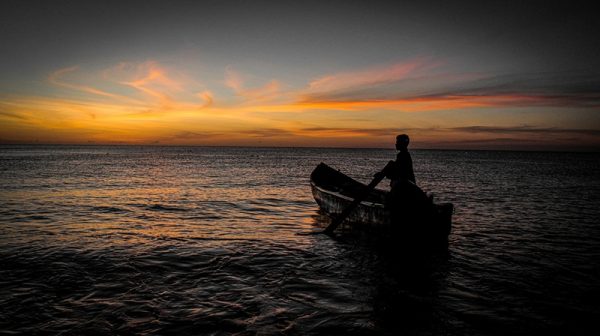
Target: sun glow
{"x": 149, "y": 103}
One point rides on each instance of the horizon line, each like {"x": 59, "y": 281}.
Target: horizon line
{"x": 580, "y": 150}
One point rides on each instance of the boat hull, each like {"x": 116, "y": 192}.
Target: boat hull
{"x": 334, "y": 191}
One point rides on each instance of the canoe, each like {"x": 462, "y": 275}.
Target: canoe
{"x": 334, "y": 191}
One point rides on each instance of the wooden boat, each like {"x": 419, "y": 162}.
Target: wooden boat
{"x": 334, "y": 191}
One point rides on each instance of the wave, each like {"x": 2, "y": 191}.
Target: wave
{"x": 109, "y": 209}
{"x": 160, "y": 207}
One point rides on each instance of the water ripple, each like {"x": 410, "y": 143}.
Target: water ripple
{"x": 152, "y": 240}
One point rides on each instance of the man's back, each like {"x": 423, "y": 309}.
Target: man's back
{"x": 404, "y": 167}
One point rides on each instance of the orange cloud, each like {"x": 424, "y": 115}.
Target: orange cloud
{"x": 207, "y": 97}
{"x": 367, "y": 77}
{"x": 160, "y": 90}
{"x": 233, "y": 80}
{"x": 146, "y": 102}
{"x": 56, "y": 79}
{"x": 154, "y": 81}
{"x": 405, "y": 105}
{"x": 268, "y": 92}
{"x": 426, "y": 104}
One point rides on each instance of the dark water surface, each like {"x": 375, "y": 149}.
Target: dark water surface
{"x": 99, "y": 240}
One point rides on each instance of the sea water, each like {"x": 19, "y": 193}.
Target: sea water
{"x": 110, "y": 240}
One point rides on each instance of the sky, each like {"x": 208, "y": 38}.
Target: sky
{"x": 451, "y": 74}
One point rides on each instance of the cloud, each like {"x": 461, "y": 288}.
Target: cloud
{"x": 406, "y": 105}
{"x": 233, "y": 79}
{"x": 156, "y": 89}
{"x": 421, "y": 85}
{"x": 188, "y": 135}
{"x": 268, "y": 92}
{"x": 267, "y": 132}
{"x": 345, "y": 131}
{"x": 56, "y": 78}
{"x": 417, "y": 85}
{"x": 536, "y": 89}
{"x": 447, "y": 136}
{"x": 345, "y": 81}
{"x": 12, "y": 115}
{"x": 526, "y": 130}
{"x": 147, "y": 101}
{"x": 207, "y": 97}
{"x": 153, "y": 80}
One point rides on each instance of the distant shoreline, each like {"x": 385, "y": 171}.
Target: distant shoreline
{"x": 416, "y": 148}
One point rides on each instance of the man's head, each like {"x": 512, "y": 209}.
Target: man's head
{"x": 402, "y": 141}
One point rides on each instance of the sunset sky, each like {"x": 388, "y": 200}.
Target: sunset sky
{"x": 472, "y": 75}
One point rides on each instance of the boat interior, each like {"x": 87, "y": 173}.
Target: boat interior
{"x": 333, "y": 180}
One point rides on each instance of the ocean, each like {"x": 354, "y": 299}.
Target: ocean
{"x": 148, "y": 240}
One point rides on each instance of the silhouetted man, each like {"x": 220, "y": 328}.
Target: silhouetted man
{"x": 400, "y": 171}
{"x": 406, "y": 200}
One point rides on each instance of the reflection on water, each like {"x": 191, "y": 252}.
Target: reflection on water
{"x": 167, "y": 240}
